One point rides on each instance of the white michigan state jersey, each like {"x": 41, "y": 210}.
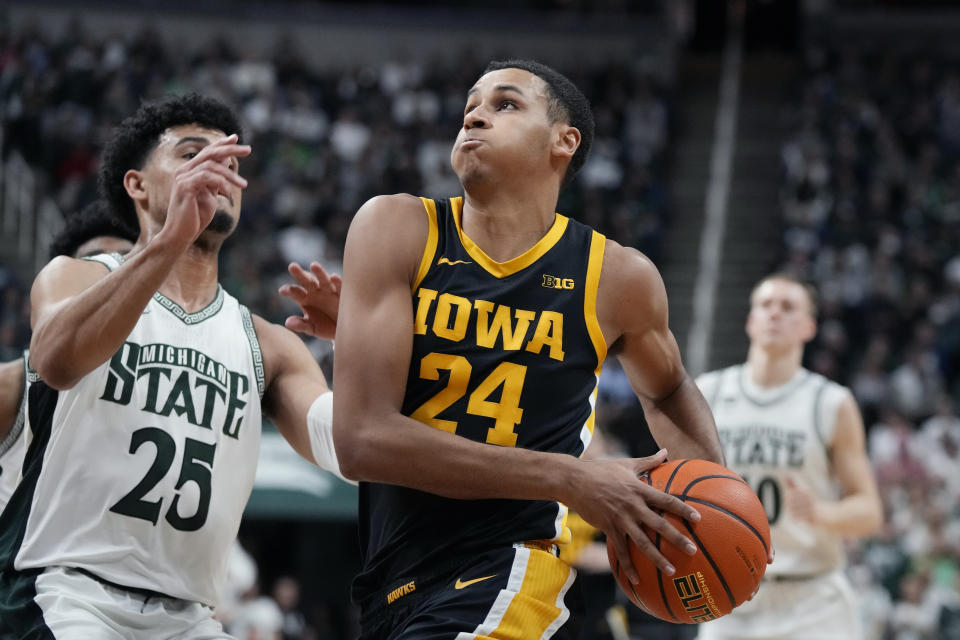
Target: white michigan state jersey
{"x": 768, "y": 434}
{"x": 148, "y": 462}
{"x": 14, "y": 446}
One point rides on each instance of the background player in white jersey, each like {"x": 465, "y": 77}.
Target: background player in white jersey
{"x": 92, "y": 230}
{"x": 146, "y": 416}
{"x": 798, "y": 439}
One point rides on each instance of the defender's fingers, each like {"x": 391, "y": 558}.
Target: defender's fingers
{"x": 298, "y": 325}
{"x": 321, "y": 275}
{"x": 304, "y": 277}
{"x": 295, "y": 292}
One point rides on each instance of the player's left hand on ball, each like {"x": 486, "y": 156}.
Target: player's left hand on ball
{"x": 317, "y": 293}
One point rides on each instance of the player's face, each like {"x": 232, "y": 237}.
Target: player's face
{"x": 505, "y": 128}
{"x": 103, "y": 244}
{"x": 176, "y": 147}
{"x": 780, "y": 314}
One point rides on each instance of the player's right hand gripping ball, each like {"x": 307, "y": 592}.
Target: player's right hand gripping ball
{"x": 732, "y": 540}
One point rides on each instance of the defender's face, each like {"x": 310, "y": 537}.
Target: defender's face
{"x": 177, "y": 146}
{"x": 505, "y": 126}
{"x": 780, "y": 314}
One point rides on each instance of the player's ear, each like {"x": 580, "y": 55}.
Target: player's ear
{"x": 134, "y": 184}
{"x": 810, "y": 330}
{"x": 567, "y": 141}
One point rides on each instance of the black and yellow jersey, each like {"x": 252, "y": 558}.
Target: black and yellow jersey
{"x": 505, "y": 353}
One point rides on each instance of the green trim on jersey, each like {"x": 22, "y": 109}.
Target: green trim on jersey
{"x": 14, "y": 434}
{"x": 20, "y": 615}
{"x": 197, "y": 316}
{"x": 817, "y": 422}
{"x": 113, "y": 260}
{"x": 110, "y": 260}
{"x": 255, "y": 351}
{"x": 784, "y": 393}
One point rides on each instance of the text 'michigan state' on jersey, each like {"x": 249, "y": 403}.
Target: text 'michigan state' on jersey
{"x": 140, "y": 473}
{"x": 504, "y": 353}
{"x": 770, "y": 434}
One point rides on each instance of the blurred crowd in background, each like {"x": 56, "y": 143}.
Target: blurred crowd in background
{"x": 870, "y": 207}
{"x": 871, "y": 214}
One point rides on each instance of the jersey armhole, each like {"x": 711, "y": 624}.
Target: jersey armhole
{"x": 14, "y": 434}
{"x": 598, "y": 243}
{"x": 431, "y": 248}
{"x": 255, "y": 352}
{"x": 110, "y": 260}
{"x": 818, "y": 422}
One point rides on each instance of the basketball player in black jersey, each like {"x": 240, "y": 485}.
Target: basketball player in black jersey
{"x": 484, "y": 320}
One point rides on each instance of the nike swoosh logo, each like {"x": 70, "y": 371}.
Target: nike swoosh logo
{"x": 447, "y": 261}
{"x": 466, "y": 583}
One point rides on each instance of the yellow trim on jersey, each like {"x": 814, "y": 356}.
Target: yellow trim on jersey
{"x": 431, "y": 248}
{"x": 591, "y": 422}
{"x": 533, "y": 610}
{"x": 524, "y": 260}
{"x": 595, "y": 263}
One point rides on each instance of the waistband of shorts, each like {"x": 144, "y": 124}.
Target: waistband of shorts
{"x": 543, "y": 545}
{"x": 373, "y": 609}
{"x": 138, "y": 591}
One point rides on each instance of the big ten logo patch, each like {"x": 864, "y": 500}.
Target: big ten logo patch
{"x": 695, "y": 597}
{"x": 553, "y": 282}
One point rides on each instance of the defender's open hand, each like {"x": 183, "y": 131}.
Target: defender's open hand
{"x": 318, "y": 296}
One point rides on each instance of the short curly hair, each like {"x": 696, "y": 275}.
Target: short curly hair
{"x": 565, "y": 102}
{"x": 94, "y": 220}
{"x": 136, "y": 137}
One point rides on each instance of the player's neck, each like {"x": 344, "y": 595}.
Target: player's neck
{"x": 192, "y": 282}
{"x": 772, "y": 369}
{"x": 505, "y": 224}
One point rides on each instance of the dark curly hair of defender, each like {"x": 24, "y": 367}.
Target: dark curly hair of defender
{"x": 137, "y": 136}
{"x": 94, "y": 220}
{"x": 566, "y": 102}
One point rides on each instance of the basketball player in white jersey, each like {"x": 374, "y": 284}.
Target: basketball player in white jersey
{"x": 90, "y": 231}
{"x": 146, "y": 412}
{"x": 798, "y": 440}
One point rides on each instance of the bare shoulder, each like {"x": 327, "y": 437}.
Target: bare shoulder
{"x": 64, "y": 269}
{"x": 627, "y": 266}
{"x": 391, "y": 228}
{"x": 631, "y": 293}
{"x": 399, "y": 213}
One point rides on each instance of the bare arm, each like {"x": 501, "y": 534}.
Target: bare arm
{"x": 81, "y": 314}
{"x": 11, "y": 394}
{"x": 633, "y": 306}
{"x": 859, "y": 511}
{"x": 376, "y": 442}
{"x": 294, "y": 381}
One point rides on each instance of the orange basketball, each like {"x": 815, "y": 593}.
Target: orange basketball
{"x": 732, "y": 539}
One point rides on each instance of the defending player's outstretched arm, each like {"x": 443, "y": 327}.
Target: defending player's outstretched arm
{"x": 81, "y": 313}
